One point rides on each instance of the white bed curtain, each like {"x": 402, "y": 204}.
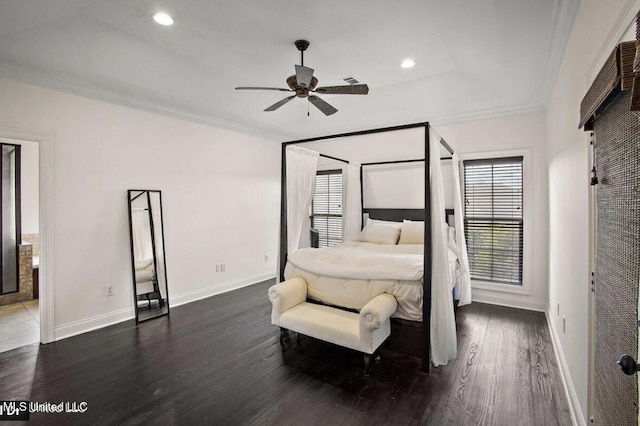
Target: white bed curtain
{"x": 464, "y": 277}
{"x": 353, "y": 210}
{"x": 443, "y": 325}
{"x": 302, "y": 166}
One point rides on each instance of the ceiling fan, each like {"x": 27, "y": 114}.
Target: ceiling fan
{"x": 303, "y": 83}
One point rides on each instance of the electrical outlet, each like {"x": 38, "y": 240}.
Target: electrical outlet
{"x": 564, "y": 324}
{"x": 107, "y": 290}
{"x": 223, "y": 267}
{"x": 217, "y": 267}
{"x": 266, "y": 257}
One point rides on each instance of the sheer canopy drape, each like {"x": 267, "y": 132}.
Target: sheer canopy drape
{"x": 353, "y": 208}
{"x": 443, "y": 325}
{"x": 302, "y": 166}
{"x": 464, "y": 277}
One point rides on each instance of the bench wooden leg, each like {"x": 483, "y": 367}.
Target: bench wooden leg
{"x": 284, "y": 332}
{"x": 367, "y": 364}
{"x": 367, "y": 360}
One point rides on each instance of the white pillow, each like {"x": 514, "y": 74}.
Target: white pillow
{"x": 412, "y": 232}
{"x": 379, "y": 234}
{"x": 390, "y": 223}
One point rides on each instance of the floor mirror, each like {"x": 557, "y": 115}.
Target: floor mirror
{"x": 148, "y": 264}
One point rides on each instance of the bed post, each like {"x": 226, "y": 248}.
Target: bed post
{"x": 426, "y": 288}
{"x": 283, "y": 213}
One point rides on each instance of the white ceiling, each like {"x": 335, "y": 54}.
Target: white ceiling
{"x": 473, "y": 57}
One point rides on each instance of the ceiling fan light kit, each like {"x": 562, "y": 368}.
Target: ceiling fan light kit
{"x": 303, "y": 84}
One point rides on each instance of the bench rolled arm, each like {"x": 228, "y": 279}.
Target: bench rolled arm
{"x": 377, "y": 311}
{"x": 286, "y": 295}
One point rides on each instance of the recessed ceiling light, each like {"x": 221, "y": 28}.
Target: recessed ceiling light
{"x": 163, "y": 18}
{"x": 407, "y": 63}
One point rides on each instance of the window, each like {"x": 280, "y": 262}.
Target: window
{"x": 326, "y": 207}
{"x": 493, "y": 219}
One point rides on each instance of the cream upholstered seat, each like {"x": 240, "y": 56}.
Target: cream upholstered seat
{"x": 364, "y": 331}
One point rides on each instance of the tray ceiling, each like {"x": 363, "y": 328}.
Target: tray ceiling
{"x": 472, "y": 57}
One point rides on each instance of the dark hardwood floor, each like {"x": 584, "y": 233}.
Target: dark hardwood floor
{"x": 218, "y": 361}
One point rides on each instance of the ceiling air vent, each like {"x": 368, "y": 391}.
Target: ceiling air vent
{"x": 351, "y": 80}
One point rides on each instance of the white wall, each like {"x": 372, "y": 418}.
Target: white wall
{"x": 597, "y": 29}
{"x": 385, "y": 146}
{"x": 514, "y": 132}
{"x": 390, "y": 186}
{"x": 220, "y": 193}
{"x": 399, "y": 186}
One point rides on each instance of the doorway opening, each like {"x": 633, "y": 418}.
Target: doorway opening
{"x": 19, "y": 244}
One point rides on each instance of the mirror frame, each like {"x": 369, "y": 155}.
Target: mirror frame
{"x": 132, "y": 194}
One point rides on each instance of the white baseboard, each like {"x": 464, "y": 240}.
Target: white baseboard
{"x": 111, "y": 318}
{"x": 192, "y": 296}
{"x": 510, "y": 300}
{"x": 570, "y": 391}
{"x": 93, "y": 323}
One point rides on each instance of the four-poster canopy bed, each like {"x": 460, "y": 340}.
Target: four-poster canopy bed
{"x": 410, "y": 334}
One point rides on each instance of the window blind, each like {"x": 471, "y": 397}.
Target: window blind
{"x": 493, "y": 219}
{"x": 326, "y": 207}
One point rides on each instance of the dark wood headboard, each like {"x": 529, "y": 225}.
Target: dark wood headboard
{"x": 395, "y": 215}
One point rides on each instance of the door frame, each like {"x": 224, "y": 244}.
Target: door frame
{"x": 46, "y": 234}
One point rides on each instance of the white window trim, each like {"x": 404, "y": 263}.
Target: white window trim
{"x": 527, "y": 217}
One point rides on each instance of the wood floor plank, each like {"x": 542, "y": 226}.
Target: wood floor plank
{"x": 518, "y": 382}
{"x": 219, "y": 361}
{"x": 481, "y": 404}
{"x": 464, "y": 369}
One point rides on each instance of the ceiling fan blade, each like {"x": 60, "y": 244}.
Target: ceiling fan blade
{"x": 322, "y": 105}
{"x": 354, "y": 89}
{"x": 304, "y": 75}
{"x": 263, "y": 88}
{"x": 280, "y": 103}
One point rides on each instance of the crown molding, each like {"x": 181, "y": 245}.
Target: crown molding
{"x": 87, "y": 90}
{"x": 486, "y": 114}
{"x": 561, "y": 31}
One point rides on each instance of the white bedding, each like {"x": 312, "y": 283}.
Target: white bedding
{"x": 363, "y": 261}
{"x": 143, "y": 275}
{"x": 352, "y": 273}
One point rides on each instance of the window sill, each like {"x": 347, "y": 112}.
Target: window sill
{"x": 503, "y": 288}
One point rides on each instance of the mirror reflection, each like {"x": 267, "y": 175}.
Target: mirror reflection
{"x": 147, "y": 254}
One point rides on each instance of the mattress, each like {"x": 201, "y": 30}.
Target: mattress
{"x": 351, "y": 274}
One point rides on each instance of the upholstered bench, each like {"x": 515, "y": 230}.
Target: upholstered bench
{"x": 363, "y": 332}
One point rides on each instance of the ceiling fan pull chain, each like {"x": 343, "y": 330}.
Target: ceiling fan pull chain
{"x": 308, "y": 107}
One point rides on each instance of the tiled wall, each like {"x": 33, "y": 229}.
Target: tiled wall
{"x": 34, "y": 239}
